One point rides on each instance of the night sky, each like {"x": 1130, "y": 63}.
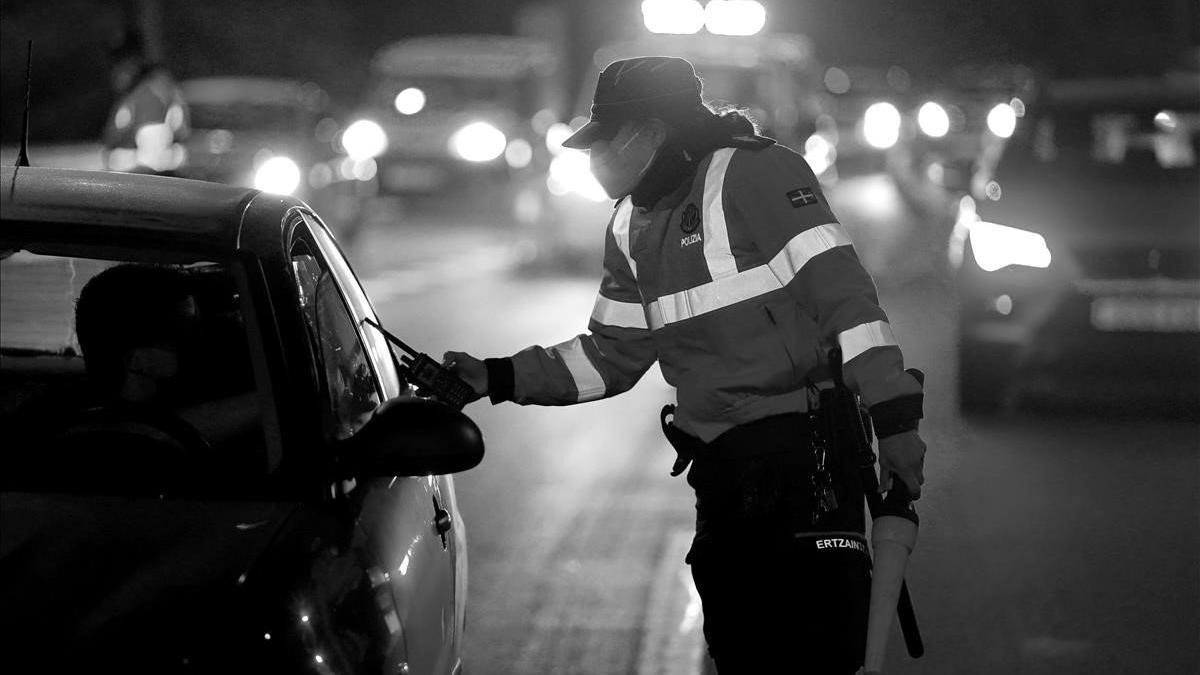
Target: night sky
{"x": 330, "y": 43}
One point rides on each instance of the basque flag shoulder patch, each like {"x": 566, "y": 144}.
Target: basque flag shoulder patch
{"x": 802, "y": 197}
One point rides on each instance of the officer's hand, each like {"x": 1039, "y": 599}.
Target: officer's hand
{"x": 470, "y": 370}
{"x": 904, "y": 455}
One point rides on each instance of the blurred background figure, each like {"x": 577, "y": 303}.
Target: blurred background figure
{"x": 149, "y": 121}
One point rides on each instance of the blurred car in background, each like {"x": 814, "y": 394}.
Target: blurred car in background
{"x": 1078, "y": 258}
{"x": 862, "y": 118}
{"x": 451, "y": 112}
{"x": 959, "y": 123}
{"x": 774, "y": 77}
{"x": 277, "y": 135}
{"x": 288, "y": 511}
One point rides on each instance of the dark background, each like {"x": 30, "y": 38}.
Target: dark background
{"x": 331, "y": 42}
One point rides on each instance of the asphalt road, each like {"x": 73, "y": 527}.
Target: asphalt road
{"x": 1051, "y": 542}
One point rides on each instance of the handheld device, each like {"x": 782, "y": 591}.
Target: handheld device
{"x": 428, "y": 375}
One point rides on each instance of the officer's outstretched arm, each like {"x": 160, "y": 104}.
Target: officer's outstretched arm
{"x": 605, "y": 361}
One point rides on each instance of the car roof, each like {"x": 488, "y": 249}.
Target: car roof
{"x": 109, "y": 206}
{"x": 713, "y": 50}
{"x": 265, "y": 90}
{"x": 496, "y": 56}
{"x": 1180, "y": 90}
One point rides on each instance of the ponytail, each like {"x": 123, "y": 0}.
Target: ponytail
{"x": 706, "y": 128}
{"x": 734, "y": 121}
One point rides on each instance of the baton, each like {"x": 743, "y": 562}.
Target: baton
{"x": 904, "y": 607}
{"x": 898, "y": 500}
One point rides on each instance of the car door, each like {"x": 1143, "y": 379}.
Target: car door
{"x": 400, "y": 516}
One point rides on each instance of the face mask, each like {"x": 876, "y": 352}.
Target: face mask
{"x": 620, "y": 165}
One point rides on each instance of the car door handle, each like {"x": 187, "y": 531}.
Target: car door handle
{"x": 442, "y": 520}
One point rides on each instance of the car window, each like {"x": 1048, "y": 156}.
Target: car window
{"x": 360, "y": 307}
{"x": 1149, "y": 142}
{"x": 241, "y": 116}
{"x": 451, "y": 92}
{"x": 352, "y": 393}
{"x": 129, "y": 378}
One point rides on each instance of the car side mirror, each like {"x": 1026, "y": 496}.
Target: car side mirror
{"x": 410, "y": 436}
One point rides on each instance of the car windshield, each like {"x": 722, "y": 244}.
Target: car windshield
{"x": 130, "y": 378}
{"x": 452, "y": 93}
{"x": 249, "y": 117}
{"x": 1147, "y": 143}
{"x": 730, "y": 84}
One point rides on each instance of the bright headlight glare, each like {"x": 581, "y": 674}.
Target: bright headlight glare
{"x": 819, "y": 153}
{"x": 998, "y": 246}
{"x": 680, "y": 17}
{"x": 569, "y": 172}
{"x": 364, "y": 139}
{"x": 933, "y": 120}
{"x": 519, "y": 153}
{"x": 478, "y": 142}
{"x": 734, "y": 17}
{"x": 279, "y": 175}
{"x": 881, "y": 125}
{"x": 555, "y": 135}
{"x": 409, "y": 101}
{"x": 1002, "y": 120}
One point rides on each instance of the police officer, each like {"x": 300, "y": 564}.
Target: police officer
{"x": 725, "y": 264}
{"x": 149, "y": 120}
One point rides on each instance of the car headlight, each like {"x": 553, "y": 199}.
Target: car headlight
{"x": 819, "y": 153}
{"x": 1002, "y": 120}
{"x": 279, "y": 175}
{"x": 364, "y": 139}
{"x": 569, "y": 172}
{"x": 409, "y": 101}
{"x": 478, "y": 142}
{"x": 555, "y": 135}
{"x": 933, "y": 120}
{"x": 881, "y": 125}
{"x": 998, "y": 246}
{"x": 734, "y": 17}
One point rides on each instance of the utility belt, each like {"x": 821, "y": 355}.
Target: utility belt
{"x": 778, "y": 473}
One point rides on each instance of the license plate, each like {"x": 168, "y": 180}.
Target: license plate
{"x": 413, "y": 177}
{"x": 1159, "y": 315}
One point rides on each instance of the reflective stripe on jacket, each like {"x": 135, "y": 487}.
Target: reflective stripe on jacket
{"x": 737, "y": 284}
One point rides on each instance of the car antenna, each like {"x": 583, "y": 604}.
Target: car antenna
{"x": 23, "y": 155}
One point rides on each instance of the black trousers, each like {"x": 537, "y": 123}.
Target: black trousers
{"x": 780, "y": 593}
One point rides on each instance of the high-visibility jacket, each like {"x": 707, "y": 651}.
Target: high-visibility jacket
{"x": 738, "y": 284}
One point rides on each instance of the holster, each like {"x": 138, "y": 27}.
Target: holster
{"x": 686, "y": 446}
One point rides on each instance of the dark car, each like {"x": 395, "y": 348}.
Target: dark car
{"x": 1078, "y": 259}
{"x": 275, "y": 500}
